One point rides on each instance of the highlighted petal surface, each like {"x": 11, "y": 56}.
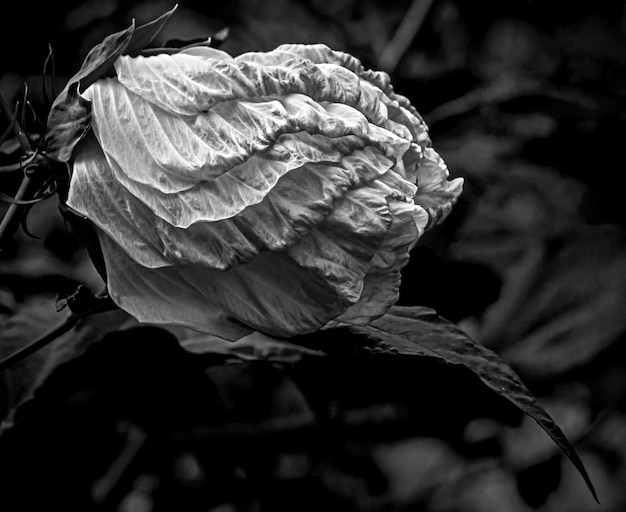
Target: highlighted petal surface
{"x": 280, "y": 192}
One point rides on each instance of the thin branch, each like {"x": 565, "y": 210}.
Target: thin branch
{"x": 297, "y": 427}
{"x": 101, "y": 306}
{"x": 15, "y": 209}
{"x": 46, "y": 339}
{"x": 17, "y": 128}
{"x": 21, "y": 165}
{"x": 136, "y": 439}
{"x": 48, "y": 95}
{"x": 14, "y": 201}
{"x": 405, "y": 34}
{"x": 9, "y": 129}
{"x": 498, "y": 95}
{"x": 23, "y": 125}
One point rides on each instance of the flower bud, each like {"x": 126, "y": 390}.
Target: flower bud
{"x": 278, "y": 192}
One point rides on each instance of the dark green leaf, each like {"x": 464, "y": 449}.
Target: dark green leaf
{"x": 421, "y": 332}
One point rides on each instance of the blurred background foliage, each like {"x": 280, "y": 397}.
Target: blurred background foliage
{"x": 526, "y": 100}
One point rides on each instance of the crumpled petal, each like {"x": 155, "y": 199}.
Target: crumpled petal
{"x": 299, "y": 201}
{"x": 280, "y": 191}
{"x": 435, "y": 192}
{"x": 381, "y": 285}
{"x": 214, "y": 166}
{"x": 271, "y": 294}
{"x": 341, "y": 248}
{"x": 322, "y": 54}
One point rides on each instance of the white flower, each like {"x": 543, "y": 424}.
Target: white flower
{"x": 278, "y": 192}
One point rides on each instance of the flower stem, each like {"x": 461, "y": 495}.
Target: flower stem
{"x": 39, "y": 343}
{"x": 12, "y": 216}
{"x": 101, "y": 305}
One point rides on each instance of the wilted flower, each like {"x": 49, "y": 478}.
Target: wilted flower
{"x": 277, "y": 191}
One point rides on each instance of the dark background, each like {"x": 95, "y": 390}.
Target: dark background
{"x": 525, "y": 100}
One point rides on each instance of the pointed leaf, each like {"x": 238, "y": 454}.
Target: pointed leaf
{"x": 70, "y": 115}
{"x": 101, "y": 57}
{"x": 68, "y": 123}
{"x": 570, "y": 310}
{"x": 253, "y": 347}
{"x": 86, "y": 232}
{"x": 144, "y": 34}
{"x": 421, "y": 332}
